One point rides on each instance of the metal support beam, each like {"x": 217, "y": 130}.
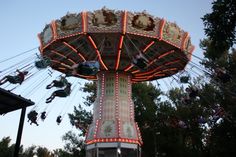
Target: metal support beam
{"x": 19, "y": 134}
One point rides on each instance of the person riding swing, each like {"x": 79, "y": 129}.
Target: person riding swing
{"x": 43, "y": 115}
{"x": 19, "y": 78}
{"x": 192, "y": 92}
{"x": 32, "y": 117}
{"x": 184, "y": 79}
{"x": 62, "y": 82}
{"x": 222, "y": 75}
{"x": 60, "y": 93}
{"x": 85, "y": 68}
{"x": 58, "y": 120}
{"x": 42, "y": 63}
{"x": 140, "y": 61}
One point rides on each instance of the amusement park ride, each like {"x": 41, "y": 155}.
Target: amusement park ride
{"x": 116, "y": 49}
{"x": 129, "y": 47}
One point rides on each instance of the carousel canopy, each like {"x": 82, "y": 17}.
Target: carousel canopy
{"x": 114, "y": 39}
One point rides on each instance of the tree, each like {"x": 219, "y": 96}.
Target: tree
{"x": 74, "y": 144}
{"x": 185, "y": 133}
{"x": 146, "y": 99}
{"x": 6, "y": 149}
{"x": 220, "y": 31}
{"x": 36, "y": 150}
{"x": 61, "y": 153}
{"x": 29, "y": 152}
{"x": 220, "y": 28}
{"x": 43, "y": 152}
{"x": 80, "y": 118}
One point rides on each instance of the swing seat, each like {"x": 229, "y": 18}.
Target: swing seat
{"x": 88, "y": 68}
{"x": 182, "y": 124}
{"x": 224, "y": 78}
{"x": 202, "y": 120}
{"x": 14, "y": 79}
{"x": 59, "y": 119}
{"x": 193, "y": 93}
{"x": 59, "y": 83}
{"x": 43, "y": 115}
{"x": 184, "y": 79}
{"x": 78, "y": 125}
{"x": 140, "y": 63}
{"x": 32, "y": 116}
{"x": 43, "y": 63}
{"x": 61, "y": 93}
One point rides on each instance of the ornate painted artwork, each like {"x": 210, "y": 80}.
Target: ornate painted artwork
{"x": 104, "y": 17}
{"x": 143, "y": 22}
{"x": 108, "y": 128}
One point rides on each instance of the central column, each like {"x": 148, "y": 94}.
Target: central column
{"x": 114, "y": 130}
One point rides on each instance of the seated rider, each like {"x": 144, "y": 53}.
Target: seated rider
{"x": 186, "y": 99}
{"x": 32, "y": 117}
{"x": 140, "y": 61}
{"x": 218, "y": 112}
{"x": 174, "y": 122}
{"x": 59, "y": 119}
{"x": 62, "y": 82}
{"x": 86, "y": 68}
{"x": 182, "y": 124}
{"x": 19, "y": 78}
{"x": 222, "y": 75}
{"x": 202, "y": 120}
{"x": 78, "y": 125}
{"x": 60, "y": 93}
{"x": 192, "y": 92}
{"x": 43, "y": 115}
{"x": 43, "y": 63}
{"x": 184, "y": 79}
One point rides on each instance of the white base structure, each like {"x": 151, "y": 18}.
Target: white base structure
{"x": 114, "y": 131}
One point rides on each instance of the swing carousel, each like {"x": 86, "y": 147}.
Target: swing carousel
{"x": 116, "y": 49}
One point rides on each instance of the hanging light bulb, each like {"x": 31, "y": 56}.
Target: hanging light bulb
{"x": 118, "y": 151}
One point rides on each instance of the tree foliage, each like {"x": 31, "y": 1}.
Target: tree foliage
{"x": 220, "y": 31}
{"x": 6, "y": 148}
{"x": 74, "y": 144}
{"x": 220, "y": 28}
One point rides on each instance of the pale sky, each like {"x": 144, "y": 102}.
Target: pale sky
{"x": 21, "y": 21}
